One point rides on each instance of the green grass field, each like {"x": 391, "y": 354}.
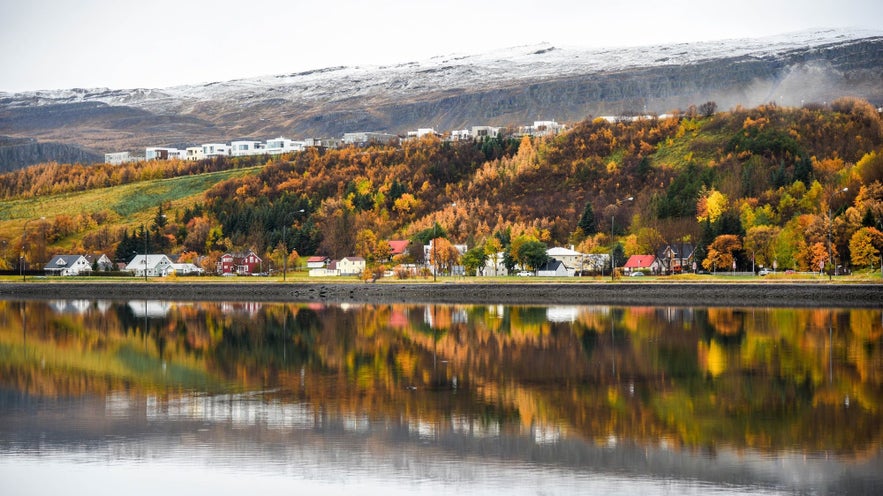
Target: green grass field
{"x": 125, "y": 205}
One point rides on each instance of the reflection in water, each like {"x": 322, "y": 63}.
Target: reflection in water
{"x": 446, "y": 398}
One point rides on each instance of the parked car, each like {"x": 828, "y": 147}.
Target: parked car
{"x": 636, "y": 274}
{"x": 525, "y": 273}
{"x": 764, "y": 271}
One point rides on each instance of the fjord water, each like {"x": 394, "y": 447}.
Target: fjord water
{"x": 154, "y": 397}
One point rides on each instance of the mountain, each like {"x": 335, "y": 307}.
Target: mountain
{"x": 504, "y": 88}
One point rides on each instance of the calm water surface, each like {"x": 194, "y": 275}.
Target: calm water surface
{"x": 154, "y": 397}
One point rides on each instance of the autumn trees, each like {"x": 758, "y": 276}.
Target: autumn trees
{"x": 766, "y": 176}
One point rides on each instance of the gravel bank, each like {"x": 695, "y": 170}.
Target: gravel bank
{"x": 665, "y": 294}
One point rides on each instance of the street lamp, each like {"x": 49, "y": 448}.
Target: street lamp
{"x": 285, "y": 247}
{"x": 21, "y": 258}
{"x": 612, "y": 244}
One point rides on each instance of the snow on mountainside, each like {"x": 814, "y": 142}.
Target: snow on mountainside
{"x": 507, "y": 67}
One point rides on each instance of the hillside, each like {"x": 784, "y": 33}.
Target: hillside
{"x": 506, "y": 88}
{"x": 763, "y": 184}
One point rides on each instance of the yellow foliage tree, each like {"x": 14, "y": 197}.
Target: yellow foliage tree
{"x": 711, "y": 206}
{"x": 865, "y": 246}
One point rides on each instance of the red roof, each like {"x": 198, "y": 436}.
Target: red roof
{"x": 316, "y": 258}
{"x": 397, "y": 247}
{"x": 640, "y": 262}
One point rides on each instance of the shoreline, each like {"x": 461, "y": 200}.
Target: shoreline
{"x": 650, "y": 294}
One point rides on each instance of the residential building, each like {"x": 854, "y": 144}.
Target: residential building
{"x": 154, "y": 265}
{"x": 215, "y": 150}
{"x": 282, "y": 145}
{"x": 68, "y": 265}
{"x": 460, "y": 135}
{"x": 676, "y": 258}
{"x": 351, "y": 266}
{"x": 423, "y": 131}
{"x": 118, "y": 158}
{"x": 568, "y": 256}
{"x": 363, "y": 138}
{"x": 398, "y": 247}
{"x": 161, "y": 153}
{"x": 195, "y": 153}
{"x": 555, "y": 268}
{"x": 243, "y": 264}
{"x": 494, "y": 266}
{"x": 243, "y": 148}
{"x": 317, "y": 262}
{"x": 542, "y": 128}
{"x": 183, "y": 269}
{"x": 100, "y": 262}
{"x": 641, "y": 263}
{"x": 481, "y": 132}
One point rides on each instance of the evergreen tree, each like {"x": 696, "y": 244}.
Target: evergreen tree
{"x": 587, "y": 221}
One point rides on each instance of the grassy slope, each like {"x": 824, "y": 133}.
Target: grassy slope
{"x": 126, "y": 205}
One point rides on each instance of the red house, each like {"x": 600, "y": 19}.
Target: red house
{"x": 638, "y": 263}
{"x": 243, "y": 264}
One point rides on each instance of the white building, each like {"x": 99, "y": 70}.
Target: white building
{"x": 155, "y": 265}
{"x": 543, "y": 128}
{"x": 118, "y": 158}
{"x": 282, "y": 145}
{"x": 481, "y": 132}
{"x": 195, "y": 153}
{"x": 243, "y": 148}
{"x": 215, "y": 150}
{"x": 68, "y": 265}
{"x": 366, "y": 137}
{"x": 162, "y": 153}
{"x": 182, "y": 269}
{"x": 461, "y": 135}
{"x": 569, "y": 257}
{"x": 350, "y": 266}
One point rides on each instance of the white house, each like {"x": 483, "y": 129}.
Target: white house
{"x": 243, "y": 148}
{"x": 118, "y": 158}
{"x": 493, "y": 266}
{"x": 215, "y": 150}
{"x": 282, "y": 145}
{"x": 365, "y": 137}
{"x": 162, "y": 153}
{"x": 155, "y": 265}
{"x": 554, "y": 268}
{"x": 101, "y": 262}
{"x": 481, "y": 132}
{"x": 569, "y": 257}
{"x": 350, "y": 266}
{"x": 68, "y": 265}
{"x": 182, "y": 269}
{"x": 194, "y": 153}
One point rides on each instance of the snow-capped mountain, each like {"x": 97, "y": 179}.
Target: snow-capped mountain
{"x": 505, "y": 87}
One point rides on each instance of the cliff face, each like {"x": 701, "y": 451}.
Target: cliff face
{"x": 506, "y": 89}
{"x": 18, "y": 153}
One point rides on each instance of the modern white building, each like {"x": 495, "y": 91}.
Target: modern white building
{"x": 243, "y": 148}
{"x": 118, "y": 158}
{"x": 215, "y": 150}
{"x": 155, "y": 265}
{"x": 195, "y": 153}
{"x": 365, "y": 137}
{"x": 481, "y": 132}
{"x": 163, "y": 153}
{"x": 282, "y": 145}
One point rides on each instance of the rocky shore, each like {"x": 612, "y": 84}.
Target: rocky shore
{"x": 664, "y": 294}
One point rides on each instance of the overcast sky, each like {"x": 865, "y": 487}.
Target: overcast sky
{"x": 49, "y": 44}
